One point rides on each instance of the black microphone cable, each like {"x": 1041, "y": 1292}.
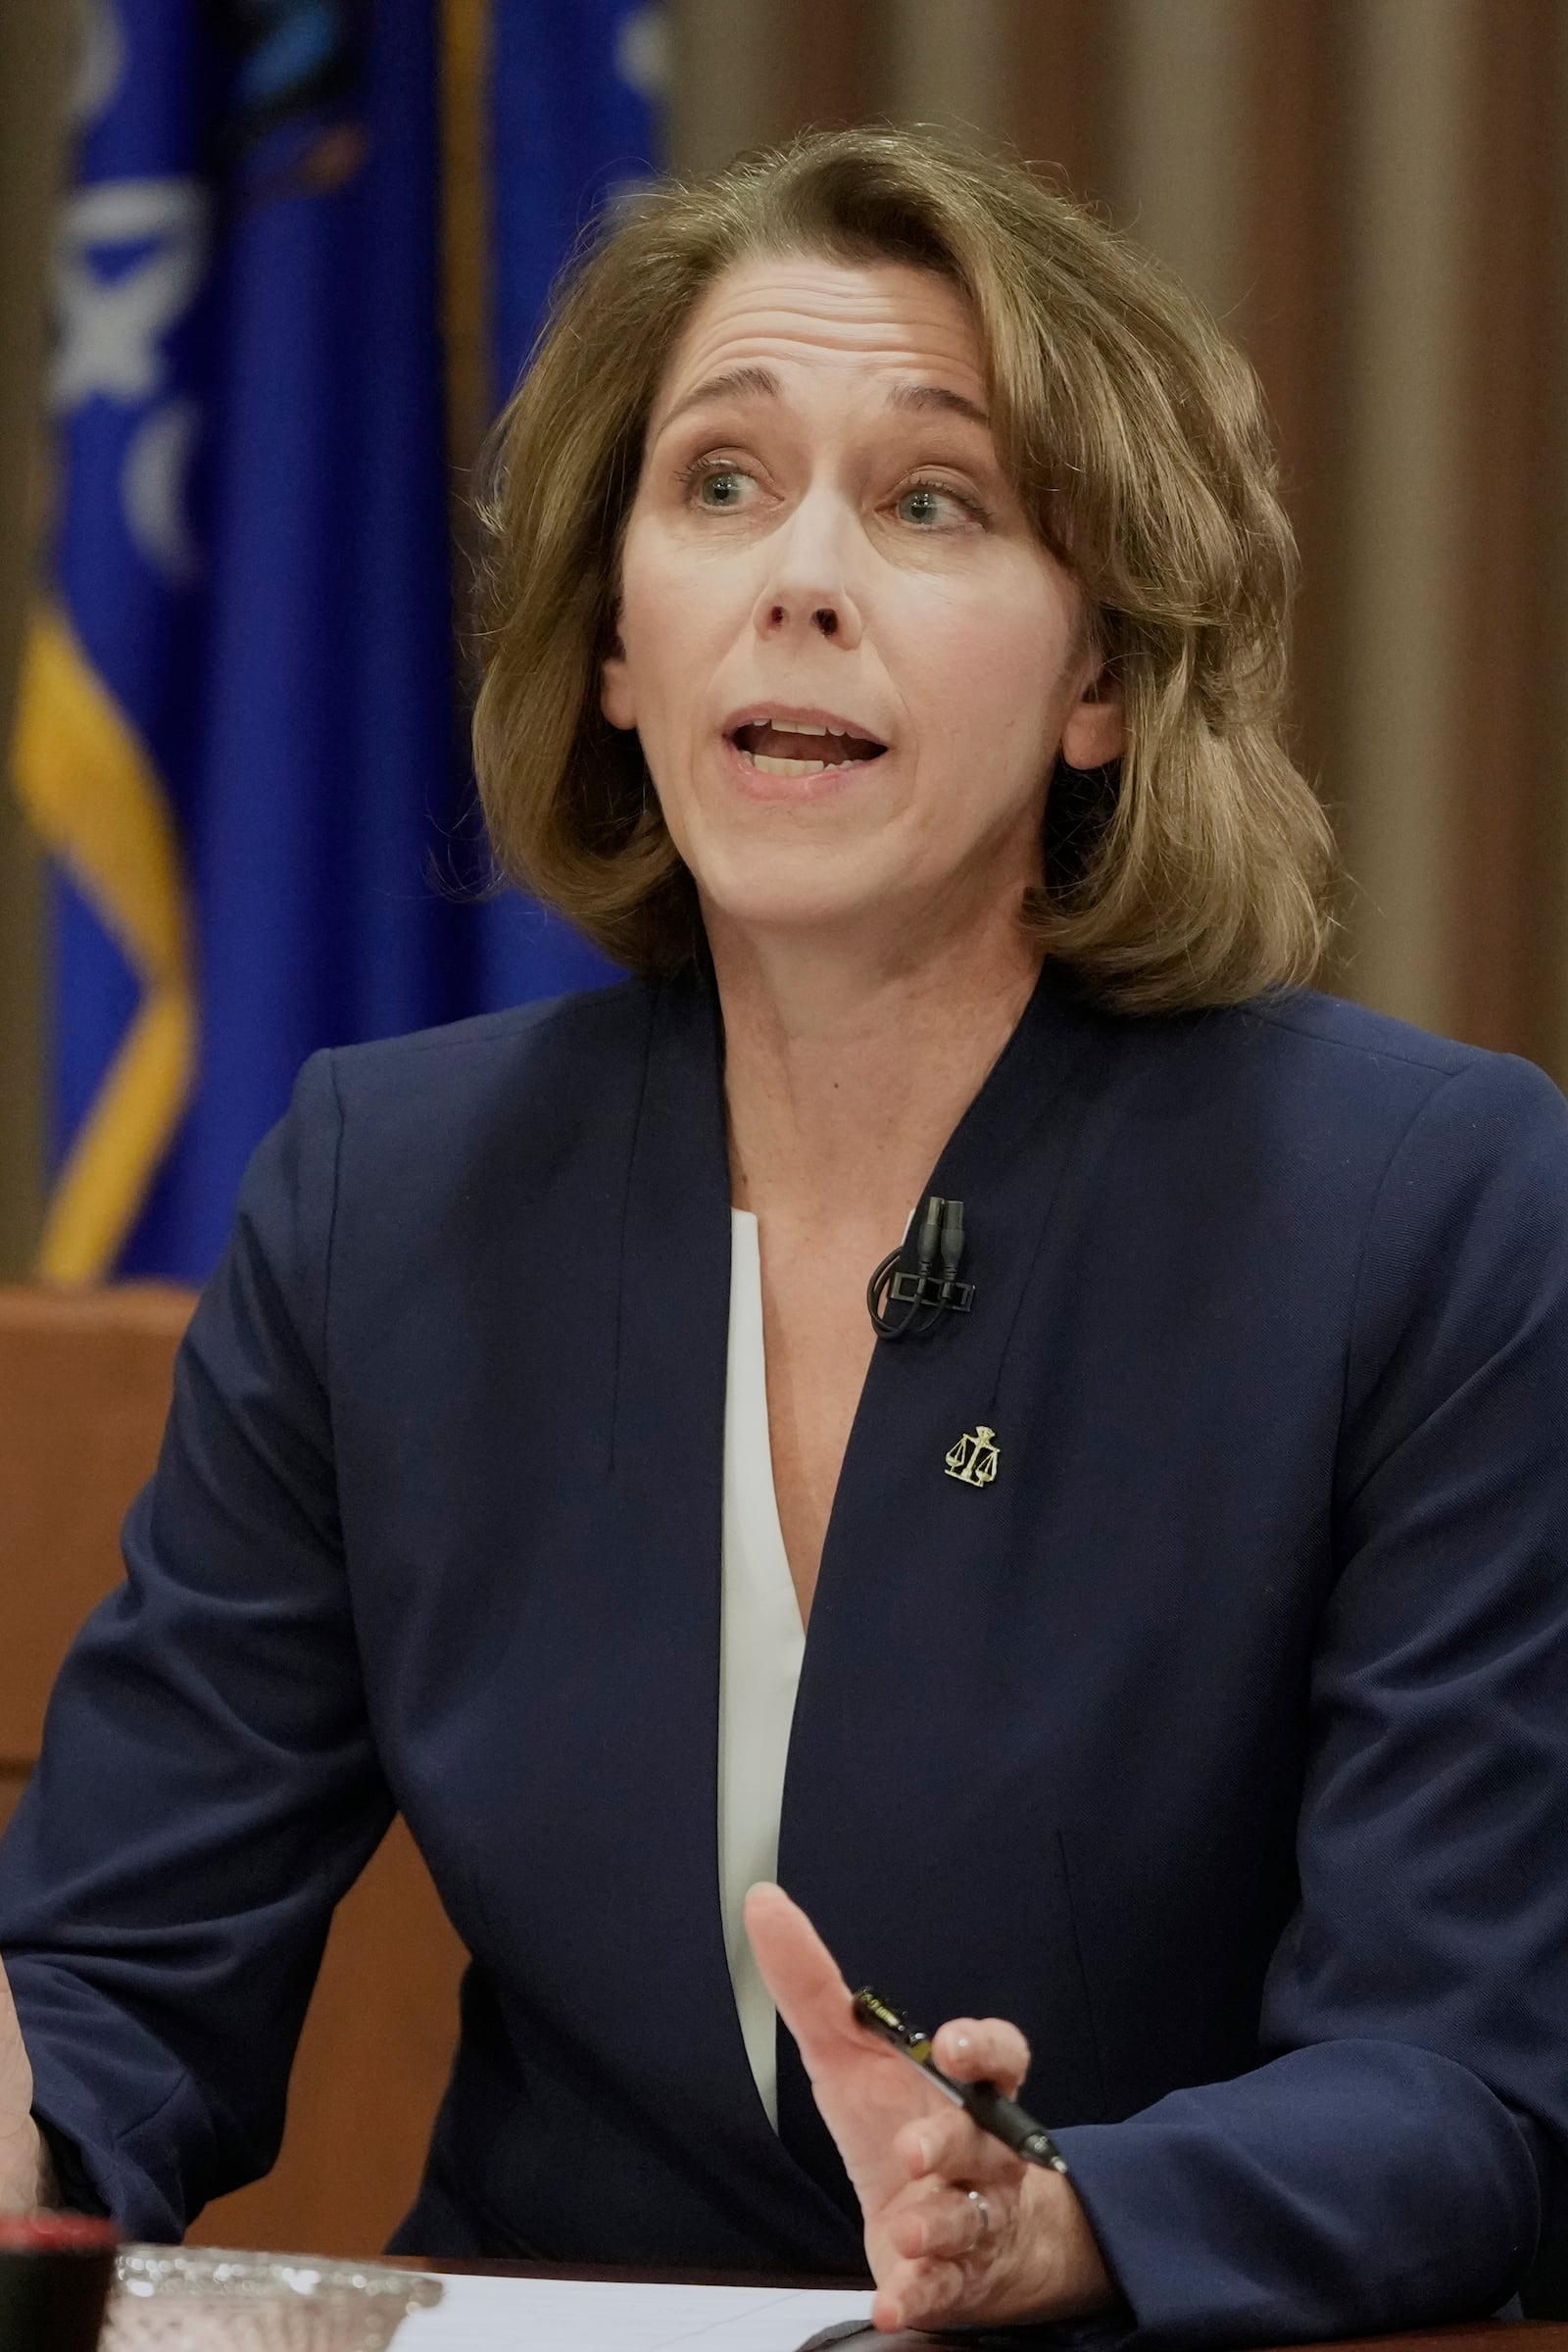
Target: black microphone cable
{"x": 925, "y": 1294}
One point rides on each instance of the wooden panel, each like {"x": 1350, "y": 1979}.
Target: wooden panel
{"x": 11, "y": 1783}
{"x": 84, "y": 1386}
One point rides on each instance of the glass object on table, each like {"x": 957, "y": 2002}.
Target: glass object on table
{"x": 205, "y": 2300}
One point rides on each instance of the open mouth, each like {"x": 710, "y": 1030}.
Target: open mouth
{"x": 799, "y": 747}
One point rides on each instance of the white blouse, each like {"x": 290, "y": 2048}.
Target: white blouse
{"x": 761, "y": 1646}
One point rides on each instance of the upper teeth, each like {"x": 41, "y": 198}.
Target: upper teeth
{"x": 805, "y": 727}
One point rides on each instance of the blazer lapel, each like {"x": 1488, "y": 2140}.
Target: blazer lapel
{"x": 887, "y": 1837}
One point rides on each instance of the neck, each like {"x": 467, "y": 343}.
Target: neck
{"x": 848, "y": 1066}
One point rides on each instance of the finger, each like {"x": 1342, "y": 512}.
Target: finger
{"x": 800, "y": 1972}
{"x": 16, "y": 2073}
{"x": 939, "y": 2220}
{"x": 916, "y": 2292}
{"x": 23, "y": 2167}
{"x": 949, "y": 2147}
{"x": 983, "y": 2049}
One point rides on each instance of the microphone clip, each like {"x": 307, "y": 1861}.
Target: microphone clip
{"x": 932, "y": 1289}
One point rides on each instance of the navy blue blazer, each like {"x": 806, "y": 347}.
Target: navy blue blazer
{"x": 1220, "y": 1742}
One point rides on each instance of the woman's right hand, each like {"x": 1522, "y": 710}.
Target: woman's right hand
{"x": 24, "y": 2163}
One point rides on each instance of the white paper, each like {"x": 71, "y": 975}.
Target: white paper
{"x": 559, "y": 2315}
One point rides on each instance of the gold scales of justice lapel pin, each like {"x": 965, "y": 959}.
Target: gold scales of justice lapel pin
{"x": 973, "y": 1459}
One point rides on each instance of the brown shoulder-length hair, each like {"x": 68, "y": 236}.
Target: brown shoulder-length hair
{"x": 1195, "y": 870}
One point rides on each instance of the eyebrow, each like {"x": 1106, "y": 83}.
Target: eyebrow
{"x": 760, "y": 384}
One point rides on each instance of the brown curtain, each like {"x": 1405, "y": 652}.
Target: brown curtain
{"x": 1373, "y": 194}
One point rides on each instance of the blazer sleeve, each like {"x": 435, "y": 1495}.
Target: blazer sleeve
{"x": 208, "y": 1785}
{"x": 1389, "y": 2162}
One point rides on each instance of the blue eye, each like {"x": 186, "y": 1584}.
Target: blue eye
{"x": 721, "y": 490}
{"x": 928, "y": 505}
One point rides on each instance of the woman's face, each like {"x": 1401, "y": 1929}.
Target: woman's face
{"x": 850, "y": 662}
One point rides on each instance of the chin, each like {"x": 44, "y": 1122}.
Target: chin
{"x": 797, "y": 895}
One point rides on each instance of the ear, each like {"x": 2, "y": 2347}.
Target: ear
{"x": 1096, "y": 731}
{"x": 614, "y": 687}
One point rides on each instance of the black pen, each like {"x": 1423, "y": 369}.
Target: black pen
{"x": 983, "y": 2102}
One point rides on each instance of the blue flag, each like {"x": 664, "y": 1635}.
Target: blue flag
{"x": 252, "y": 584}
{"x": 573, "y": 125}
{"x": 239, "y": 728}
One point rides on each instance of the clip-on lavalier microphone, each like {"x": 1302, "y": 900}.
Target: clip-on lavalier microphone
{"x": 929, "y": 1292}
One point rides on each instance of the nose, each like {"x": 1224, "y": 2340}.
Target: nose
{"x": 806, "y": 592}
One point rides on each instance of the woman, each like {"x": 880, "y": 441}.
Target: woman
{"x": 886, "y": 643}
